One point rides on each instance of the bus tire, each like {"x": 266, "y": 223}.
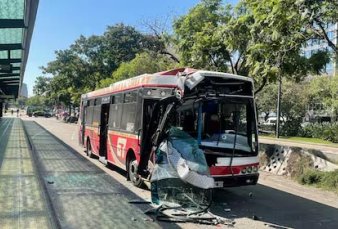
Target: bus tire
{"x": 132, "y": 173}
{"x": 89, "y": 151}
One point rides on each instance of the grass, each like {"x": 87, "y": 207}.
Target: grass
{"x": 324, "y": 180}
{"x": 303, "y": 139}
{"x": 301, "y": 169}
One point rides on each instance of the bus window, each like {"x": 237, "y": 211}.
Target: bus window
{"x": 115, "y": 111}
{"x": 89, "y": 112}
{"x": 97, "y": 102}
{"x": 96, "y": 115}
{"x": 129, "y": 111}
{"x": 130, "y": 97}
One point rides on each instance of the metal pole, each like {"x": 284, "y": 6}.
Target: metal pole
{"x": 278, "y": 106}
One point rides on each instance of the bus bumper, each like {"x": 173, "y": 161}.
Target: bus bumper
{"x": 236, "y": 180}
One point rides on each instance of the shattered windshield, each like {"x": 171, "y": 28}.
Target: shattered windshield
{"x": 218, "y": 124}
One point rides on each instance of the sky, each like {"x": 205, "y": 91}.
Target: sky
{"x": 60, "y": 22}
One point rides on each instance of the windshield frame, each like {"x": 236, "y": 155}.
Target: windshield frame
{"x": 250, "y": 117}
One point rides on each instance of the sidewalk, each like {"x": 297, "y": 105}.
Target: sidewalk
{"x": 22, "y": 200}
{"x": 82, "y": 195}
{"x": 315, "y": 146}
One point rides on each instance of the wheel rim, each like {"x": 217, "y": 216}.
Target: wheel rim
{"x": 133, "y": 172}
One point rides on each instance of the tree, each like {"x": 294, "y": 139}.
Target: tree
{"x": 38, "y": 101}
{"x": 91, "y": 60}
{"x": 317, "y": 62}
{"x": 274, "y": 49}
{"x": 315, "y": 16}
{"x": 42, "y": 85}
{"x": 198, "y": 38}
{"x": 146, "y": 62}
{"x": 121, "y": 43}
{"x": 260, "y": 39}
{"x": 266, "y": 101}
{"x": 324, "y": 90}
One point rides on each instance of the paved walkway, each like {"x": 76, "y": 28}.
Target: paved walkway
{"x": 22, "y": 201}
{"x": 51, "y": 186}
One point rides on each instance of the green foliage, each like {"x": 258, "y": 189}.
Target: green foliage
{"x": 198, "y": 36}
{"x": 325, "y": 90}
{"x": 147, "y": 62}
{"x": 310, "y": 177}
{"x": 275, "y": 44}
{"x": 314, "y": 16}
{"x": 294, "y": 100}
{"x": 90, "y": 61}
{"x": 330, "y": 180}
{"x": 325, "y": 131}
{"x": 42, "y": 85}
{"x": 325, "y": 180}
{"x": 318, "y": 61}
{"x": 260, "y": 39}
{"x": 291, "y": 127}
{"x": 293, "y": 103}
{"x": 38, "y": 101}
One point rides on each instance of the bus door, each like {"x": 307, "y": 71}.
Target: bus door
{"x": 82, "y": 117}
{"x": 148, "y": 106}
{"x": 104, "y": 131}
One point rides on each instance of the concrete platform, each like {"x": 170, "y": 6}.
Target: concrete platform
{"x": 51, "y": 186}
{"x": 22, "y": 200}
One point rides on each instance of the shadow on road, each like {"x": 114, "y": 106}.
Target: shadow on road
{"x": 273, "y": 206}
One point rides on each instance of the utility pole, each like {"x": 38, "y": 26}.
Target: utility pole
{"x": 279, "y": 63}
{"x": 278, "y": 105}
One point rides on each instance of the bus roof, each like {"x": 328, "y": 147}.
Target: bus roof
{"x": 168, "y": 79}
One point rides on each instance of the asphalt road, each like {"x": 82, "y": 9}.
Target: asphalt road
{"x": 276, "y": 202}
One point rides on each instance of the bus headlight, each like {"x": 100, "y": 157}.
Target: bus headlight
{"x": 243, "y": 171}
{"x": 149, "y": 92}
{"x": 249, "y": 169}
{"x": 162, "y": 93}
{"x": 254, "y": 169}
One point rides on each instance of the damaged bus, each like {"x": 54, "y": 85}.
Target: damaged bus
{"x": 125, "y": 123}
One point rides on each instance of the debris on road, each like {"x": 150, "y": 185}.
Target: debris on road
{"x": 254, "y": 217}
{"x": 139, "y": 202}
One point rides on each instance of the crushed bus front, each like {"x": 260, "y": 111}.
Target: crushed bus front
{"x": 218, "y": 110}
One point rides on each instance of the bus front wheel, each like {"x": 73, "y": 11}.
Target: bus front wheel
{"x": 132, "y": 173}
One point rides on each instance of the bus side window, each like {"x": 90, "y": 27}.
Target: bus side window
{"x": 96, "y": 112}
{"x": 115, "y": 112}
{"x": 129, "y": 111}
{"x": 89, "y": 113}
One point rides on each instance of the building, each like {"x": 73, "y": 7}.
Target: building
{"x": 24, "y": 90}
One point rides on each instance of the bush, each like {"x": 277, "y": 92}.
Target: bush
{"x": 310, "y": 177}
{"x": 291, "y": 128}
{"x": 330, "y": 180}
{"x": 325, "y": 131}
{"x": 326, "y": 180}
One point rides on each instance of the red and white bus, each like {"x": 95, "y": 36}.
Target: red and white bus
{"x": 118, "y": 123}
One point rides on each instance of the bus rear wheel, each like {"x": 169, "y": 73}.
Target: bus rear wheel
{"x": 132, "y": 173}
{"x": 89, "y": 151}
